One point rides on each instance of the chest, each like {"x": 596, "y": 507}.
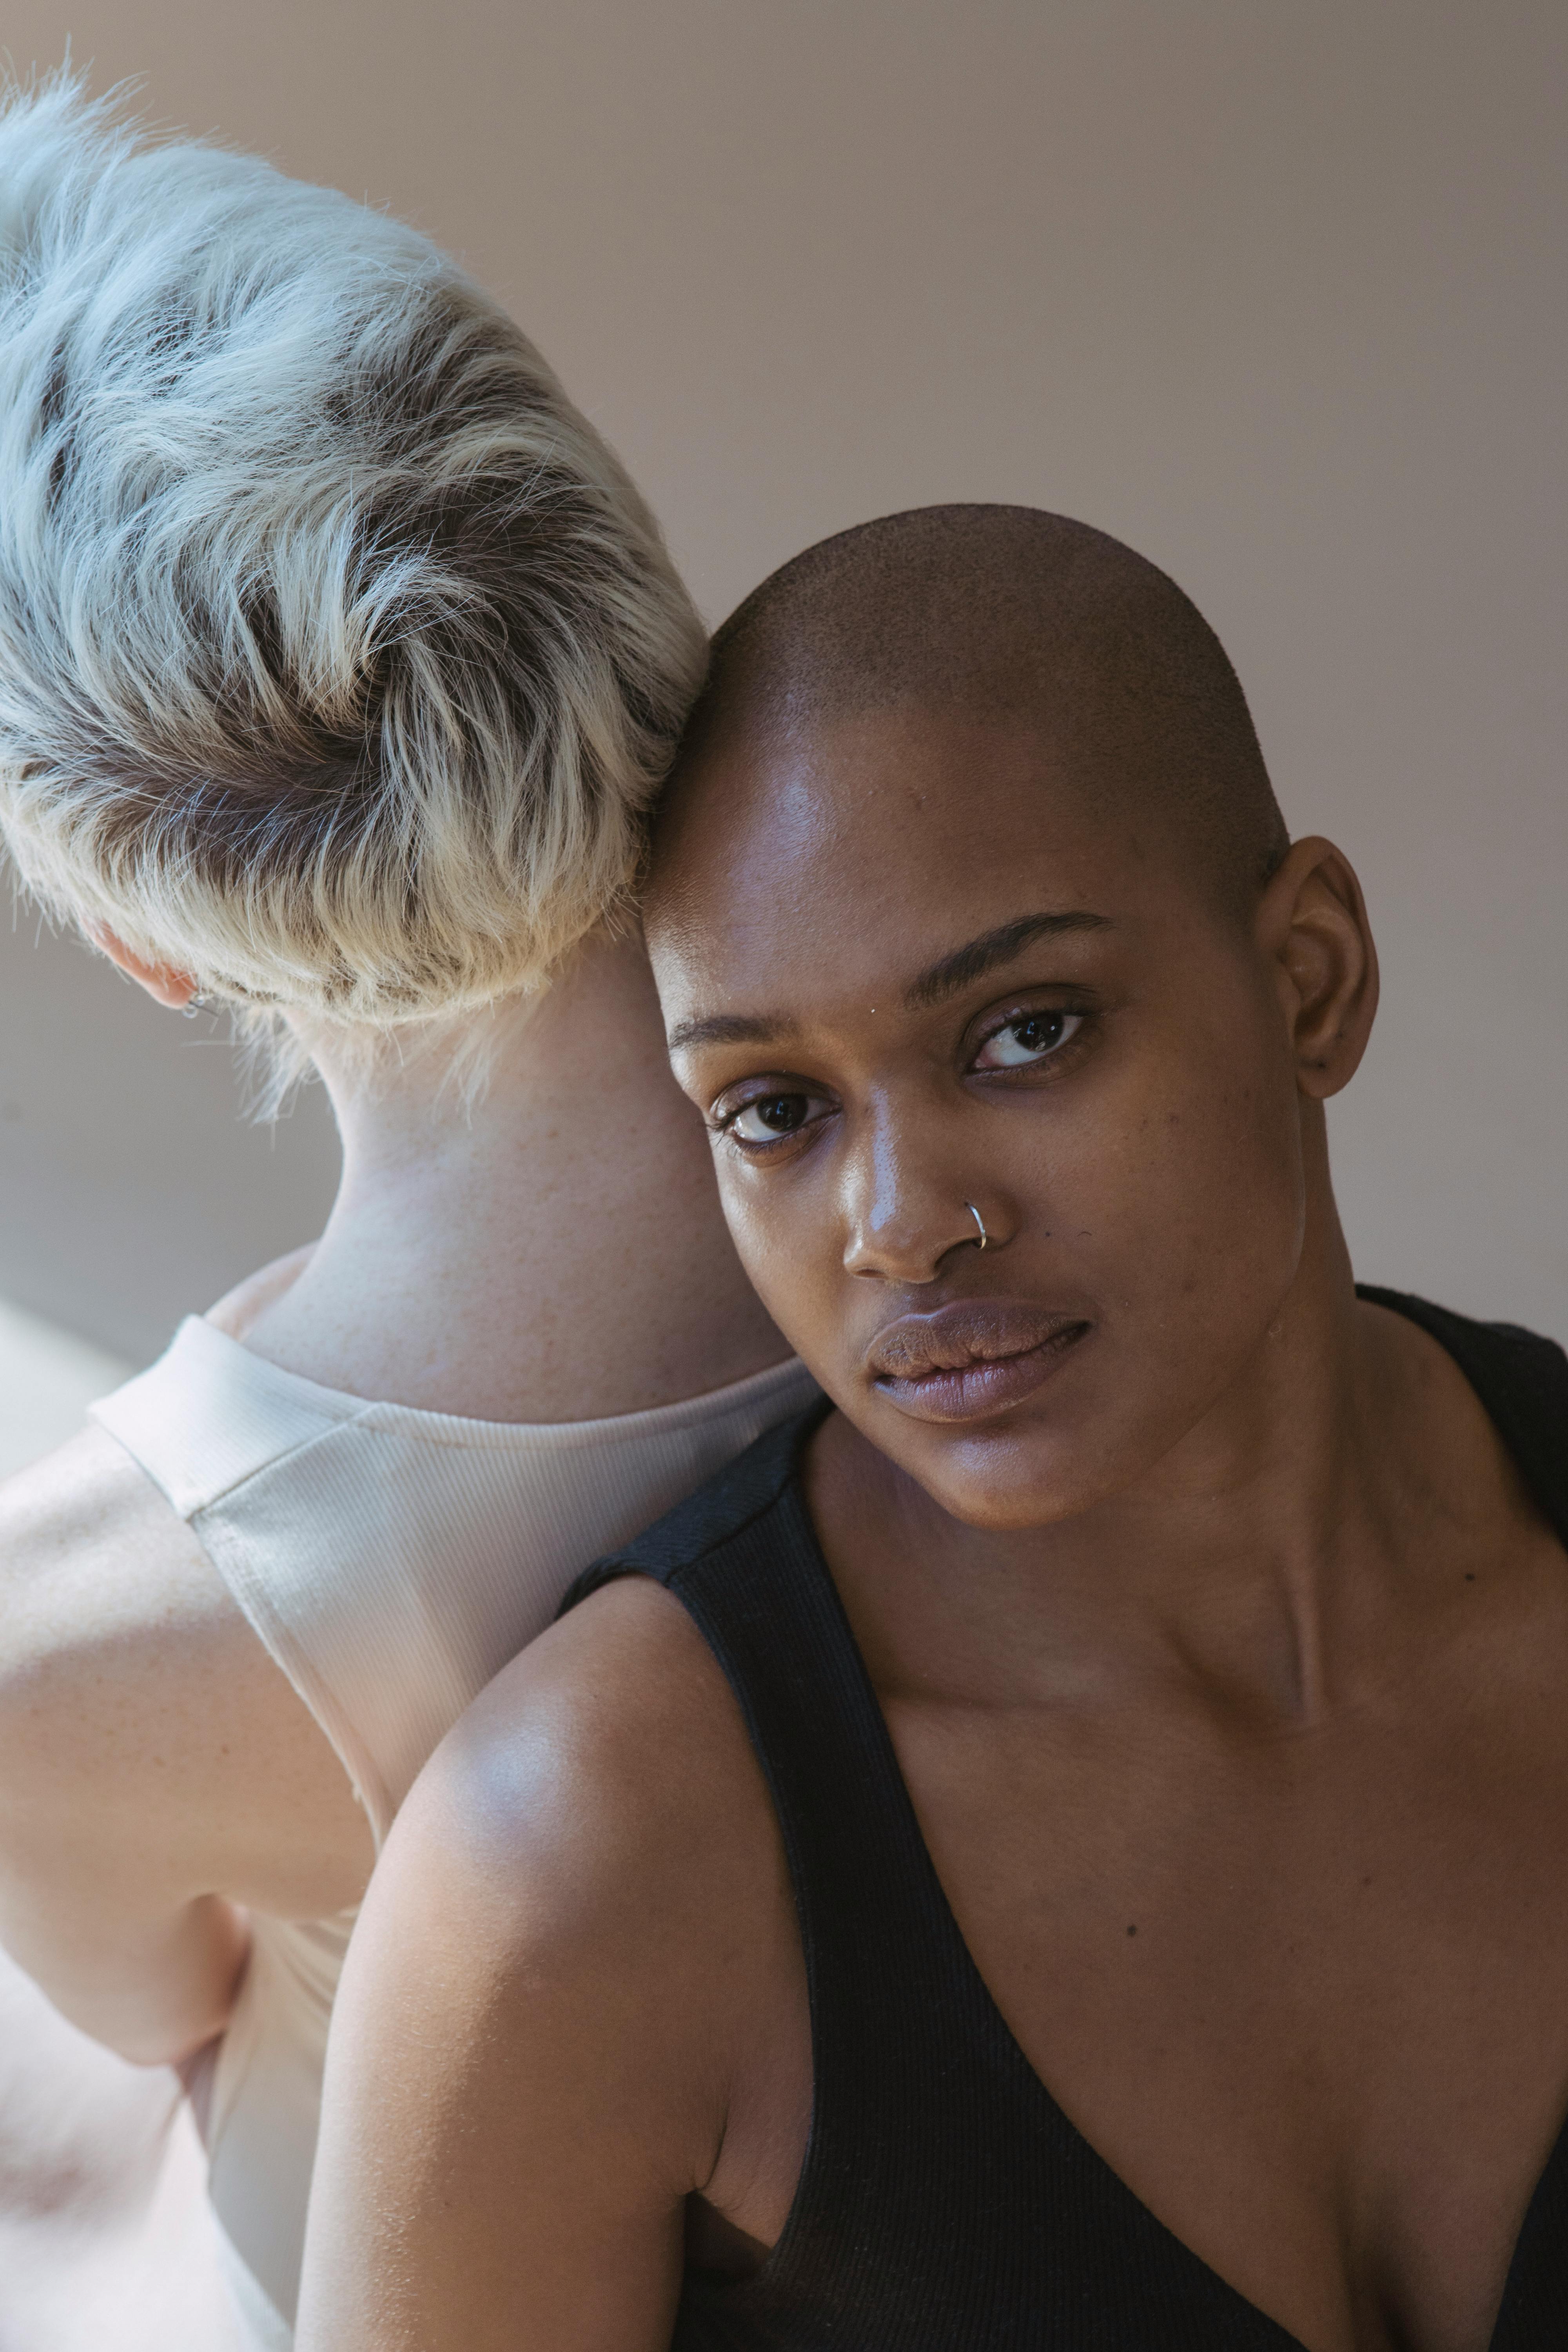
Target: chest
{"x": 1307, "y": 1997}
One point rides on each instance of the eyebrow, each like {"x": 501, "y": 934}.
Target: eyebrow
{"x": 727, "y": 1029}
{"x": 952, "y": 973}
{"x": 946, "y": 978}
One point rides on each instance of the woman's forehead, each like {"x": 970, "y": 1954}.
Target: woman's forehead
{"x": 859, "y": 860}
{"x": 927, "y": 795}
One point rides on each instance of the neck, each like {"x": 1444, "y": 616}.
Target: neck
{"x": 527, "y": 1227}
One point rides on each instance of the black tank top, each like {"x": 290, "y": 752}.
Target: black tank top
{"x": 946, "y": 2204}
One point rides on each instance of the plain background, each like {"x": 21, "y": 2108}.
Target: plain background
{"x": 1272, "y": 289}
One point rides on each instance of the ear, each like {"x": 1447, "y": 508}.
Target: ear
{"x": 1313, "y": 929}
{"x": 169, "y": 987}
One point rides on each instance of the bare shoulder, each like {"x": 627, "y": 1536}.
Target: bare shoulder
{"x": 128, "y": 1670}
{"x": 90, "y": 1548}
{"x": 592, "y": 1863}
{"x": 567, "y": 1959}
{"x": 603, "y": 1793}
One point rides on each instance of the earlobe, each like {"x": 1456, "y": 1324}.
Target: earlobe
{"x": 162, "y": 982}
{"x": 1313, "y": 924}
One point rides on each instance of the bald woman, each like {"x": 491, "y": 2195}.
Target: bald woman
{"x": 1065, "y": 1845}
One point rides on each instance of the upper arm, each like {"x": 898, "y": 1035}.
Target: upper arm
{"x": 534, "y": 2037}
{"x": 151, "y": 1750}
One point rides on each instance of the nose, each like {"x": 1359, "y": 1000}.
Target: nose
{"x": 904, "y": 1210}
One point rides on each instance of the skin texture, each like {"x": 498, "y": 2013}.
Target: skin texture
{"x": 1245, "y": 1600}
{"x": 158, "y": 1773}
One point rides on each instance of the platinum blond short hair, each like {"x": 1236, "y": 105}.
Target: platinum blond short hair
{"x": 339, "y": 658}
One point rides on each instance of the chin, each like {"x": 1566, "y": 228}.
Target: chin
{"x": 1006, "y": 1486}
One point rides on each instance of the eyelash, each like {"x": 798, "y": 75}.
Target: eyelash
{"x": 1016, "y": 1017}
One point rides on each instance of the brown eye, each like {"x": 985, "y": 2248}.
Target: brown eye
{"x": 778, "y": 1113}
{"x": 1031, "y": 1037}
{"x": 767, "y": 1118}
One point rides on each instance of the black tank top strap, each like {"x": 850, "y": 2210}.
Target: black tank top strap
{"x": 1519, "y": 1377}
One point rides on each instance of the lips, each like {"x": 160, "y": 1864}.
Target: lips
{"x": 971, "y": 1359}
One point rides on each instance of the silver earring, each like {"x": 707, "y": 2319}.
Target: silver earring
{"x": 984, "y": 1241}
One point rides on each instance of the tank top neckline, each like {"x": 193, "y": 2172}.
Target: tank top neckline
{"x": 1557, "y": 2160}
{"x": 196, "y": 1338}
{"x": 779, "y": 1491}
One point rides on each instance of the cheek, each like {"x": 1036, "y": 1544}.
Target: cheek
{"x": 1222, "y": 1198}
{"x": 780, "y": 1243}
{"x": 1187, "y": 1173}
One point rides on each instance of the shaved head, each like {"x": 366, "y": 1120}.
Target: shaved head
{"x": 1008, "y": 614}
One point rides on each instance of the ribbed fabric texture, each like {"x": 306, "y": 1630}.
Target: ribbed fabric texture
{"x": 946, "y": 2203}
{"x": 392, "y": 1561}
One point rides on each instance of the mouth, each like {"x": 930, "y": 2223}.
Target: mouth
{"x": 970, "y": 1360}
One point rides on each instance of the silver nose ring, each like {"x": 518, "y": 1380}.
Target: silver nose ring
{"x": 984, "y": 1241}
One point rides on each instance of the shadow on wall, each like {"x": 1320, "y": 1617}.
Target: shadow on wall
{"x": 48, "y": 1380}
{"x": 133, "y": 1189}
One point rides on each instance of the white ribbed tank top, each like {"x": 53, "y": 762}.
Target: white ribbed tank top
{"x": 392, "y": 1561}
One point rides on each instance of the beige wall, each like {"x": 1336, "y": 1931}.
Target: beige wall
{"x": 1271, "y": 287}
